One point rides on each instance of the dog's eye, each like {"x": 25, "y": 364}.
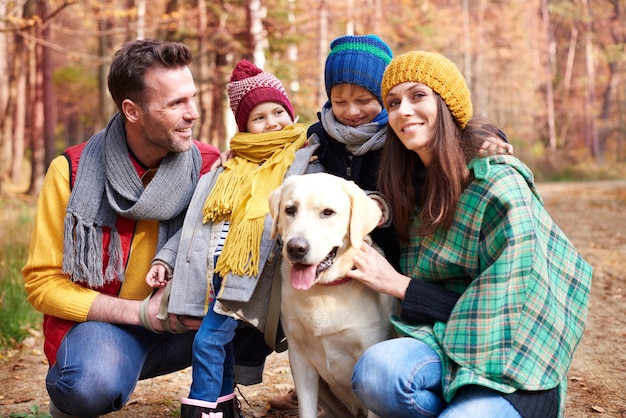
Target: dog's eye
{"x": 327, "y": 213}
{"x": 290, "y": 210}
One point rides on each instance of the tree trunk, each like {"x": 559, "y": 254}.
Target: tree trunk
{"x": 322, "y": 51}
{"x": 549, "y": 60}
{"x": 13, "y": 124}
{"x": 477, "y": 84}
{"x": 37, "y": 118}
{"x": 205, "y": 75}
{"x": 4, "y": 73}
{"x": 467, "y": 44}
{"x": 104, "y": 50}
{"x": 567, "y": 83}
{"x": 141, "y": 19}
{"x": 256, "y": 35}
{"x": 48, "y": 99}
{"x": 615, "y": 34}
{"x": 591, "y": 130}
{"x": 219, "y": 107}
{"x": 350, "y": 17}
{"x": 606, "y": 126}
{"x": 5, "y": 153}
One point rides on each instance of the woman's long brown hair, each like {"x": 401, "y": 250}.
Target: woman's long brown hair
{"x": 446, "y": 176}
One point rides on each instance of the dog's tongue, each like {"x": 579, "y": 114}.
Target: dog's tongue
{"x": 302, "y": 276}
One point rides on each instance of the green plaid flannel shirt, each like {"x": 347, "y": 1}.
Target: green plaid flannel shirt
{"x": 524, "y": 286}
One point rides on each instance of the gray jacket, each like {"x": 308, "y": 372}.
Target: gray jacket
{"x": 190, "y": 253}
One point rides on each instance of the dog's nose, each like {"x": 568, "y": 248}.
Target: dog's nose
{"x": 297, "y": 248}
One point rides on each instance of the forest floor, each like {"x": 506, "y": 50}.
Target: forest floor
{"x": 592, "y": 214}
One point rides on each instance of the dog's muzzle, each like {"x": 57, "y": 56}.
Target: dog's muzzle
{"x": 298, "y": 249}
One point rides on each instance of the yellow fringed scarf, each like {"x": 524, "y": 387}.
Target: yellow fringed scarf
{"x": 241, "y": 192}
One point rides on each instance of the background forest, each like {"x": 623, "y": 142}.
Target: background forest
{"x": 550, "y": 73}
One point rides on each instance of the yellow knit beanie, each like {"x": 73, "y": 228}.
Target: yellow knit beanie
{"x": 438, "y": 73}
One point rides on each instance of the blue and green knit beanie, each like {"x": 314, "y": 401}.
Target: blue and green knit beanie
{"x": 359, "y": 60}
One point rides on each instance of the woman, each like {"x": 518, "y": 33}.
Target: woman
{"x": 493, "y": 295}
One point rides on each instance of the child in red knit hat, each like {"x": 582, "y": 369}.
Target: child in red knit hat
{"x": 250, "y": 87}
{"x": 224, "y": 242}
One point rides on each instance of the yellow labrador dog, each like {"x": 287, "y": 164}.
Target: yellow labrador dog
{"x": 329, "y": 321}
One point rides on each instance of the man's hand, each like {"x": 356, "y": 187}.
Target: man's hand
{"x": 114, "y": 310}
{"x": 153, "y": 311}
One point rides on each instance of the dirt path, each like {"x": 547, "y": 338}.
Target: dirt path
{"x": 594, "y": 217}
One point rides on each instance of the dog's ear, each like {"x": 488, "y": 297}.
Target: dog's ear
{"x": 274, "y": 201}
{"x": 365, "y": 214}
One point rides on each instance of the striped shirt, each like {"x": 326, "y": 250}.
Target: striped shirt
{"x": 221, "y": 241}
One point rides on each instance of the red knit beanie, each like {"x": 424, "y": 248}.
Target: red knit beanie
{"x": 250, "y": 86}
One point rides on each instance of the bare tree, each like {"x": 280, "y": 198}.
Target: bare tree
{"x": 105, "y": 45}
{"x": 548, "y": 65}
{"x": 141, "y": 19}
{"x": 45, "y": 66}
{"x": 256, "y": 34}
{"x": 567, "y": 80}
{"x": 4, "y": 74}
{"x": 205, "y": 99}
{"x": 16, "y": 109}
{"x": 611, "y": 37}
{"x": 591, "y": 131}
{"x": 322, "y": 50}
{"x": 35, "y": 87}
{"x": 4, "y": 97}
{"x": 12, "y": 97}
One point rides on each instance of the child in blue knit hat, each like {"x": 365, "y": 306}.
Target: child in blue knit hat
{"x": 353, "y": 123}
{"x": 352, "y": 128}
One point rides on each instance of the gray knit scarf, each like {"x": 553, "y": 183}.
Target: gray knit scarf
{"x": 358, "y": 140}
{"x": 107, "y": 186}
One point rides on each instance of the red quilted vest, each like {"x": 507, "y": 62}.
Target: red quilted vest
{"x": 55, "y": 328}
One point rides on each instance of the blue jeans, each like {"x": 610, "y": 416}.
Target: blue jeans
{"x": 402, "y": 378}
{"x": 98, "y": 365}
{"x": 213, "y": 355}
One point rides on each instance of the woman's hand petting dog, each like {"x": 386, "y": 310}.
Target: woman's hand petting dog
{"x": 374, "y": 271}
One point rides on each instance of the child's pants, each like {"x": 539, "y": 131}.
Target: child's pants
{"x": 213, "y": 355}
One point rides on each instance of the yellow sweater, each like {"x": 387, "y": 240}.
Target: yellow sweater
{"x": 51, "y": 292}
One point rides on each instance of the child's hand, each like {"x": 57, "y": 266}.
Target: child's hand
{"x": 384, "y": 208}
{"x": 496, "y": 146}
{"x": 224, "y": 156}
{"x": 157, "y": 276}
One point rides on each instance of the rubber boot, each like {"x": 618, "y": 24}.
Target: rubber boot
{"x": 193, "y": 408}
{"x": 225, "y": 407}
{"x": 229, "y": 409}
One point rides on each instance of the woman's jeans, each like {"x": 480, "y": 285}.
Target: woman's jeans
{"x": 402, "y": 378}
{"x": 213, "y": 356}
{"x": 98, "y": 365}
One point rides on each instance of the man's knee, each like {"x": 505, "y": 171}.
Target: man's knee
{"x": 86, "y": 393}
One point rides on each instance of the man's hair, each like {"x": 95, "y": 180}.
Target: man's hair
{"x": 130, "y": 62}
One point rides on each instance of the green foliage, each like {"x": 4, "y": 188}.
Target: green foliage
{"x": 34, "y": 413}
{"x": 16, "y": 314}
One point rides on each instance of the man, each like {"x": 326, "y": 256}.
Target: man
{"x": 105, "y": 208}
